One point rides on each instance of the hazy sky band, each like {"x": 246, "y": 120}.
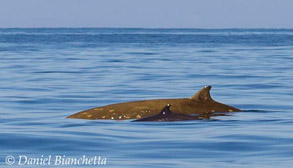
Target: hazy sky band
{"x": 147, "y": 13}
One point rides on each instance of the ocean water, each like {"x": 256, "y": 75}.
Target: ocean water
{"x": 48, "y": 74}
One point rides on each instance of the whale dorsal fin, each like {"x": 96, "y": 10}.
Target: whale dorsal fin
{"x": 203, "y": 94}
{"x": 166, "y": 109}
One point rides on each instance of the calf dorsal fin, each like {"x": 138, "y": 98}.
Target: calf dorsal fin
{"x": 203, "y": 94}
{"x": 166, "y": 109}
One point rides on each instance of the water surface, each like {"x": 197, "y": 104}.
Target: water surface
{"x": 48, "y": 74}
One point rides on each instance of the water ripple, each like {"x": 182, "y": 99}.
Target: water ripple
{"x": 48, "y": 74}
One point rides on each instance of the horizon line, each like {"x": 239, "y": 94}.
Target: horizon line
{"x": 64, "y": 27}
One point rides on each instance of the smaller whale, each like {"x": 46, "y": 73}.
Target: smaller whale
{"x": 167, "y": 115}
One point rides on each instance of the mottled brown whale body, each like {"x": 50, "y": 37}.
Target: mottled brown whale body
{"x": 199, "y": 103}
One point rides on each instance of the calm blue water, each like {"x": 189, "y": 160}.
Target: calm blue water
{"x": 48, "y": 74}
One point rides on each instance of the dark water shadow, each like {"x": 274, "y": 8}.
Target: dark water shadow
{"x": 260, "y": 111}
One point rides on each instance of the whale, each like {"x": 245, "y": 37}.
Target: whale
{"x": 167, "y": 115}
{"x": 200, "y": 103}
